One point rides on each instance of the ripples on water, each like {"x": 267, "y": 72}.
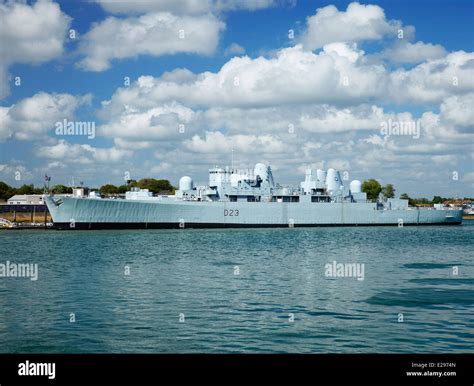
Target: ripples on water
{"x": 281, "y": 272}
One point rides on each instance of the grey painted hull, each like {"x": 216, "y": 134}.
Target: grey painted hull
{"x": 85, "y": 213}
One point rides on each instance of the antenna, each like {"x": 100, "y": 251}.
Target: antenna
{"x": 232, "y": 159}
{"x": 47, "y": 180}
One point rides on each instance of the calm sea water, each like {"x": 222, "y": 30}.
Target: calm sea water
{"x": 234, "y": 290}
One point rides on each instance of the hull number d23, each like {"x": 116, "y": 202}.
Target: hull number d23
{"x": 231, "y": 212}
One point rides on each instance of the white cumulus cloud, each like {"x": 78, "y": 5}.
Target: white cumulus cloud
{"x": 459, "y": 110}
{"x": 32, "y": 117}
{"x": 30, "y": 34}
{"x": 293, "y": 77}
{"x": 182, "y": 6}
{"x": 358, "y": 23}
{"x": 406, "y": 52}
{"x": 82, "y": 153}
{"x": 153, "y": 34}
{"x": 434, "y": 80}
{"x": 218, "y": 143}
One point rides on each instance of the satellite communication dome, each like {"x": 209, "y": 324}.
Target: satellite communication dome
{"x": 186, "y": 183}
{"x": 355, "y": 186}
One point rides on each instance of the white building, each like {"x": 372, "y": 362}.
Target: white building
{"x": 26, "y": 199}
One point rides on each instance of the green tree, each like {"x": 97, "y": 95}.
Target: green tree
{"x": 388, "y": 191}
{"x": 438, "y": 200}
{"x": 38, "y": 190}
{"x": 128, "y": 186}
{"x": 422, "y": 201}
{"x": 372, "y": 188}
{"x": 6, "y": 191}
{"x": 26, "y": 189}
{"x": 109, "y": 189}
{"x": 123, "y": 188}
{"x": 405, "y": 196}
{"x": 156, "y": 186}
{"x": 61, "y": 189}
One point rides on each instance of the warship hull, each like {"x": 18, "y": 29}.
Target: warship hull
{"x": 75, "y": 213}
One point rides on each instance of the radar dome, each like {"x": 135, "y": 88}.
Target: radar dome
{"x": 186, "y": 183}
{"x": 355, "y": 186}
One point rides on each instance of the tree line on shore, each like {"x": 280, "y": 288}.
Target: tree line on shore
{"x": 373, "y": 189}
{"x": 152, "y": 184}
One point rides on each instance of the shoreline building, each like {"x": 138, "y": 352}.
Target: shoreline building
{"x": 26, "y": 199}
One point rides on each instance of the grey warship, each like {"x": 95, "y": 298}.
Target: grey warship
{"x": 237, "y": 198}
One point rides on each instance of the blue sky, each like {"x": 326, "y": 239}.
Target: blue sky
{"x": 448, "y": 23}
{"x": 401, "y": 80}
